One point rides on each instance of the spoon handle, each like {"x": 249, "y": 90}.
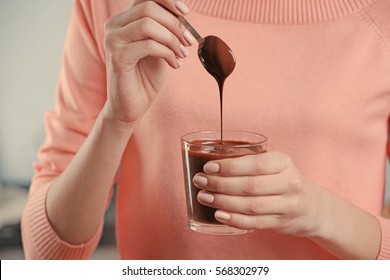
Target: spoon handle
{"x": 190, "y": 29}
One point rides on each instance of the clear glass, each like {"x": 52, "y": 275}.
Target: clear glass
{"x": 197, "y": 149}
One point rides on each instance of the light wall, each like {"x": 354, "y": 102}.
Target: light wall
{"x": 31, "y": 35}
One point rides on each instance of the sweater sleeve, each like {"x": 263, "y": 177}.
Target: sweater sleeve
{"x": 379, "y": 16}
{"x": 81, "y": 93}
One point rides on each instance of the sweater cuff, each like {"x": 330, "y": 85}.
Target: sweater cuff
{"x": 40, "y": 241}
{"x": 384, "y": 253}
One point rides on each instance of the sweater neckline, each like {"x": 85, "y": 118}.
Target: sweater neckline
{"x": 279, "y": 11}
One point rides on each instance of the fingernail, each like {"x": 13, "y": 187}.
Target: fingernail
{"x": 182, "y": 7}
{"x": 211, "y": 167}
{"x": 190, "y": 40}
{"x": 199, "y": 181}
{"x": 205, "y": 197}
{"x": 221, "y": 215}
{"x": 178, "y": 63}
{"x": 184, "y": 51}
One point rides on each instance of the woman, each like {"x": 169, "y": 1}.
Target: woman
{"x": 311, "y": 76}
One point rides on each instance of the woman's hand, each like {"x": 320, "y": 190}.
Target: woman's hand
{"x": 267, "y": 191}
{"x": 140, "y": 42}
{"x": 264, "y": 191}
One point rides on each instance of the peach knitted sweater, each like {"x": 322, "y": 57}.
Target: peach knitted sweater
{"x": 312, "y": 75}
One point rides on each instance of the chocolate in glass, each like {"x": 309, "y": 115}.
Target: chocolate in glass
{"x": 202, "y": 147}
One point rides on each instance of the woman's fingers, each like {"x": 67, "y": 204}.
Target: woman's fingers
{"x": 147, "y": 8}
{"x": 250, "y": 222}
{"x": 263, "y": 212}
{"x": 152, "y": 10}
{"x": 256, "y": 191}
{"x": 140, "y": 49}
{"x": 150, "y": 27}
{"x": 264, "y": 191}
{"x": 249, "y": 205}
{"x": 242, "y": 185}
{"x": 147, "y": 28}
{"x": 260, "y": 164}
{"x": 176, "y": 6}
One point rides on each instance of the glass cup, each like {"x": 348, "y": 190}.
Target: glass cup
{"x": 197, "y": 149}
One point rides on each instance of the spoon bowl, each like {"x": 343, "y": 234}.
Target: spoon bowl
{"x": 216, "y": 57}
{"x": 214, "y": 54}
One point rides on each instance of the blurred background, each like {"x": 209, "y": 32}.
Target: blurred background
{"x": 32, "y": 35}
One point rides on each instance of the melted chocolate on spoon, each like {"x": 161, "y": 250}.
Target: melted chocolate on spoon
{"x": 216, "y": 57}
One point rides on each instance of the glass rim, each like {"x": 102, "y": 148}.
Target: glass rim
{"x": 263, "y": 140}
